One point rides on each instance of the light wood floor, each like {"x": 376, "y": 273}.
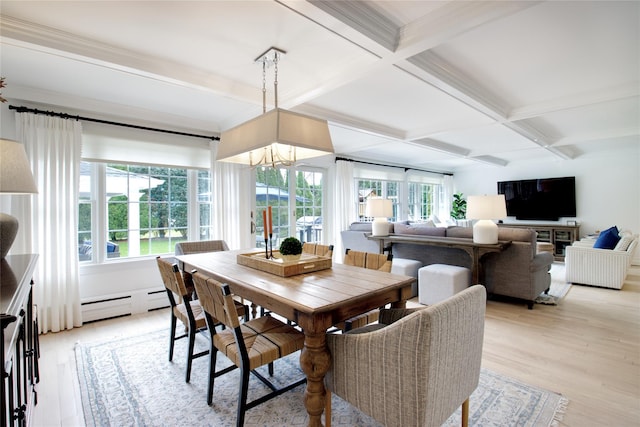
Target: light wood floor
{"x": 587, "y": 348}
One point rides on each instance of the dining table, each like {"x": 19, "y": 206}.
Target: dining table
{"x": 315, "y": 301}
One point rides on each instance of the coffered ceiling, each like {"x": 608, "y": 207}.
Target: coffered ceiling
{"x": 436, "y": 85}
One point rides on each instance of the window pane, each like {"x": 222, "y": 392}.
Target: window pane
{"x": 309, "y": 193}
{"x": 369, "y": 189}
{"x": 271, "y": 190}
{"x": 85, "y": 213}
{"x": 146, "y": 208}
{"x": 204, "y": 205}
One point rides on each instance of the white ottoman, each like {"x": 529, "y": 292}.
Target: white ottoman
{"x": 437, "y": 282}
{"x": 407, "y": 267}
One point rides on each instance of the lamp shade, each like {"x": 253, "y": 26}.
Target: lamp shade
{"x": 486, "y": 207}
{"x": 275, "y": 137}
{"x": 15, "y": 178}
{"x": 15, "y": 171}
{"x": 378, "y": 207}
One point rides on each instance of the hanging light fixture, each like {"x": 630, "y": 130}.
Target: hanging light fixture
{"x": 278, "y": 137}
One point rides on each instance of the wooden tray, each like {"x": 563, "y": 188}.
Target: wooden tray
{"x": 306, "y": 264}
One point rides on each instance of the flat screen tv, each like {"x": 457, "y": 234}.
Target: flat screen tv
{"x": 540, "y": 199}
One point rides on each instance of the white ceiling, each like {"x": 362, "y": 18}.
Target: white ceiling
{"x": 436, "y": 85}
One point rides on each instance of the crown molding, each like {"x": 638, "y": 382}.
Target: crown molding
{"x": 49, "y": 40}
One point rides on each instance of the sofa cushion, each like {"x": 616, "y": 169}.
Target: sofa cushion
{"x": 422, "y": 230}
{"x": 608, "y": 239}
{"x": 360, "y": 226}
{"x": 623, "y": 243}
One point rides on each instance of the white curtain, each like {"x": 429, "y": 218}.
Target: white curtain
{"x": 231, "y": 214}
{"x": 344, "y": 207}
{"x": 53, "y": 146}
{"x": 444, "y": 212}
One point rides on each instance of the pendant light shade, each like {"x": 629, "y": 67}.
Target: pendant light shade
{"x": 276, "y": 137}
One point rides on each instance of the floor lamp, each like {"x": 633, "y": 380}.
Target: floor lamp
{"x": 485, "y": 209}
{"x": 15, "y": 178}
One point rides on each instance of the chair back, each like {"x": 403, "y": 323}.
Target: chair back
{"x": 317, "y": 249}
{"x": 424, "y": 366}
{"x": 216, "y": 299}
{"x": 173, "y": 280}
{"x": 373, "y": 261}
{"x": 196, "y": 247}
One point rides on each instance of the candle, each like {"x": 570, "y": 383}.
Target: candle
{"x": 264, "y": 222}
{"x": 270, "y": 221}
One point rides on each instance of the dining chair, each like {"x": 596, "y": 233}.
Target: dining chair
{"x": 183, "y": 308}
{"x": 248, "y": 345}
{"x": 203, "y": 246}
{"x": 415, "y": 371}
{"x": 317, "y": 249}
{"x": 373, "y": 261}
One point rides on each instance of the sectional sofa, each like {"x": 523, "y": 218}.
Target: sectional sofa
{"x": 517, "y": 272}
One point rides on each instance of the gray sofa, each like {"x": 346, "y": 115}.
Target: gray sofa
{"x": 517, "y": 272}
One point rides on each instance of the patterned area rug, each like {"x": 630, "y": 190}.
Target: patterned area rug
{"x": 559, "y": 287}
{"x": 129, "y": 382}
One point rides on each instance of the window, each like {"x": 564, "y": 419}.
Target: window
{"x": 274, "y": 187}
{"x": 146, "y": 209}
{"x": 422, "y": 200}
{"x": 370, "y": 188}
{"x": 416, "y": 195}
{"x": 309, "y": 202}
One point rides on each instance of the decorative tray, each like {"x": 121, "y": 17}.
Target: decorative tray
{"x": 276, "y": 265}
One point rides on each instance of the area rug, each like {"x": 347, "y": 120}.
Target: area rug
{"x": 130, "y": 382}
{"x": 559, "y": 287}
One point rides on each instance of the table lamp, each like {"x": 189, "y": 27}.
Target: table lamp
{"x": 15, "y": 178}
{"x": 485, "y": 209}
{"x": 380, "y": 210}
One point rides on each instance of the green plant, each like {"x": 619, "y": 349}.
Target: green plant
{"x": 291, "y": 246}
{"x": 458, "y": 207}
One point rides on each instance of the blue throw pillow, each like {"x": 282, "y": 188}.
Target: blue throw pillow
{"x": 608, "y": 239}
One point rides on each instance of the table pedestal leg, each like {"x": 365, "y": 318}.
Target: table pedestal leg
{"x": 315, "y": 361}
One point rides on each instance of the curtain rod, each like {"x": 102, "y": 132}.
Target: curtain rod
{"x": 107, "y": 122}
{"x": 392, "y": 166}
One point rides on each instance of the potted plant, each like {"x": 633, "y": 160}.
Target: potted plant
{"x": 291, "y": 249}
{"x": 458, "y": 207}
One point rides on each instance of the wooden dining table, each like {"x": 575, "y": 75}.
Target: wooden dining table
{"x": 315, "y": 301}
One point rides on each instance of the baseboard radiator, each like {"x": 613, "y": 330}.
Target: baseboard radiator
{"x": 118, "y": 305}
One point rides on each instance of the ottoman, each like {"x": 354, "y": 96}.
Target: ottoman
{"x": 407, "y": 267}
{"x": 437, "y": 282}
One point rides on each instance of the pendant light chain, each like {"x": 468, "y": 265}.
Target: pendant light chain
{"x": 264, "y": 86}
{"x": 275, "y": 78}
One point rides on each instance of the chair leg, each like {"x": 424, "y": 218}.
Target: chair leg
{"x": 213, "y": 353}
{"x": 271, "y": 369}
{"x": 172, "y": 336}
{"x": 465, "y": 413}
{"x": 242, "y": 396}
{"x": 192, "y": 343}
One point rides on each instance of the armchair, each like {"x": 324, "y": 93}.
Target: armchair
{"x": 416, "y": 371}
{"x": 598, "y": 267}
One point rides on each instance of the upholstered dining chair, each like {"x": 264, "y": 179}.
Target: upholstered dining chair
{"x": 183, "y": 308}
{"x": 416, "y": 371}
{"x": 249, "y": 345}
{"x": 317, "y": 249}
{"x": 373, "y": 261}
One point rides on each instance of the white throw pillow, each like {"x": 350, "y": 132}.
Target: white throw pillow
{"x": 623, "y": 243}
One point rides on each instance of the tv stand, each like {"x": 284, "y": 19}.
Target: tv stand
{"x": 560, "y": 236}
